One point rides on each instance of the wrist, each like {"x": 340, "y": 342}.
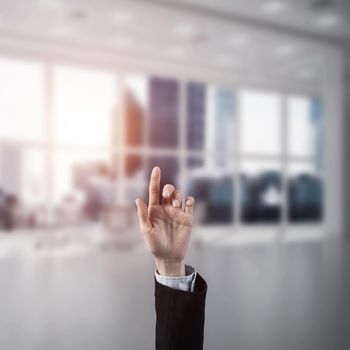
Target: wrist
{"x": 170, "y": 268}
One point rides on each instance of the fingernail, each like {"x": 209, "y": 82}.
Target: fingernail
{"x": 176, "y": 203}
{"x": 188, "y": 202}
{"x": 166, "y": 193}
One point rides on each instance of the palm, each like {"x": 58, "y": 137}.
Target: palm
{"x": 170, "y": 232}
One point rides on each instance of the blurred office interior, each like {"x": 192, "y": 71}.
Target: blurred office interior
{"x": 243, "y": 104}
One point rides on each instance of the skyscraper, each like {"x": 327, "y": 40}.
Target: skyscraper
{"x": 163, "y": 116}
{"x": 196, "y": 109}
{"x": 224, "y": 120}
{"x": 134, "y": 128}
{"x": 163, "y": 126}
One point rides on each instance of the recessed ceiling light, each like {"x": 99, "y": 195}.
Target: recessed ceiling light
{"x": 328, "y": 20}
{"x": 199, "y": 38}
{"x": 286, "y": 50}
{"x": 184, "y": 29}
{"x": 77, "y": 15}
{"x": 122, "y": 17}
{"x": 122, "y": 42}
{"x": 273, "y": 7}
{"x": 223, "y": 60}
{"x": 176, "y": 51}
{"x": 238, "y": 40}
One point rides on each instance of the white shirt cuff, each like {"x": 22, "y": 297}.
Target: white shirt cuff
{"x": 185, "y": 283}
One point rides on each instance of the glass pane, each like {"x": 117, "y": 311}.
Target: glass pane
{"x": 169, "y": 166}
{"x": 305, "y": 187}
{"x": 134, "y": 165}
{"x": 34, "y": 178}
{"x": 212, "y": 188}
{"x": 21, "y": 100}
{"x": 84, "y": 185}
{"x": 210, "y": 118}
{"x": 196, "y": 115}
{"x": 260, "y": 121}
{"x": 223, "y": 120}
{"x": 163, "y": 116}
{"x": 22, "y": 187}
{"x": 305, "y": 127}
{"x": 135, "y": 184}
{"x": 138, "y": 170}
{"x": 136, "y": 105}
{"x": 84, "y": 106}
{"x": 261, "y": 191}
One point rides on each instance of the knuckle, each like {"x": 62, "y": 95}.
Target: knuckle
{"x": 190, "y": 200}
{"x": 169, "y": 189}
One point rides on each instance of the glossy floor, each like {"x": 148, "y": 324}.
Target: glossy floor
{"x": 260, "y": 297}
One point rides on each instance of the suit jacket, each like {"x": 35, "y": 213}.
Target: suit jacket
{"x": 180, "y": 317}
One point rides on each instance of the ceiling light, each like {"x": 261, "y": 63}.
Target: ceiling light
{"x": 238, "y": 40}
{"x": 223, "y": 60}
{"x": 78, "y": 15}
{"x": 286, "y": 50}
{"x": 177, "y": 52}
{"x": 184, "y": 29}
{"x": 122, "y": 17}
{"x": 273, "y": 7}
{"x": 328, "y": 20}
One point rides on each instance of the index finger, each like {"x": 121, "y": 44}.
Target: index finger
{"x": 154, "y": 187}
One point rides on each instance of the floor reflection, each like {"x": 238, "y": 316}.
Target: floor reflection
{"x": 260, "y": 297}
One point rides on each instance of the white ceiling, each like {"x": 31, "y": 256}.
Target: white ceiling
{"x": 281, "y": 37}
{"x": 326, "y": 18}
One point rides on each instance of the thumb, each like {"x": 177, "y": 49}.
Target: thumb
{"x": 142, "y": 212}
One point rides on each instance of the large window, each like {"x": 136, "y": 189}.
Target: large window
{"x": 305, "y": 184}
{"x": 304, "y": 127}
{"x": 210, "y": 132}
{"x": 22, "y": 100}
{"x": 163, "y": 116}
{"x": 261, "y": 191}
{"x": 260, "y": 120}
{"x": 81, "y": 143}
{"x": 260, "y": 180}
{"x": 210, "y": 118}
{"x": 83, "y": 103}
{"x": 210, "y": 180}
{"x": 271, "y": 164}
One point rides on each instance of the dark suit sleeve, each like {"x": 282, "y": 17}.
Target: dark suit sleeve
{"x": 180, "y": 317}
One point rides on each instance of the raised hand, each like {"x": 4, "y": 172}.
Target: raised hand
{"x": 166, "y": 227}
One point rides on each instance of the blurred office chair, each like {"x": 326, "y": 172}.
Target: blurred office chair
{"x": 261, "y": 197}
{"x": 305, "y": 198}
{"x": 215, "y": 195}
